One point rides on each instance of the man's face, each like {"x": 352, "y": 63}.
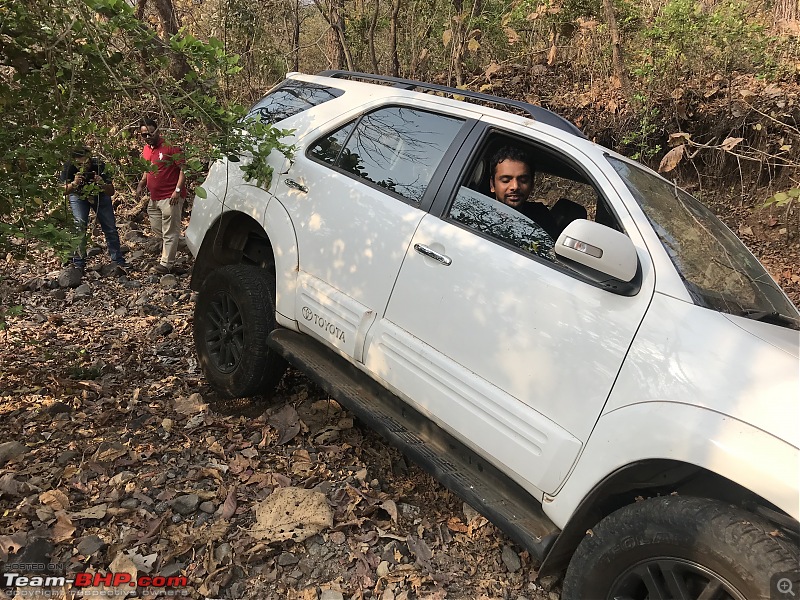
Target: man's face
{"x": 149, "y": 134}
{"x": 512, "y": 182}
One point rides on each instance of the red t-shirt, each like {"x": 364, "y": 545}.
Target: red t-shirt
{"x": 168, "y": 160}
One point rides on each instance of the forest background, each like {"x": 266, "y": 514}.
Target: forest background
{"x": 705, "y": 90}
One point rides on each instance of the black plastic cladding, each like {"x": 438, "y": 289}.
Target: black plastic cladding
{"x": 537, "y": 113}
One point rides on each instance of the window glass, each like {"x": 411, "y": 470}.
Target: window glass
{"x": 399, "y": 148}
{"x": 291, "y": 98}
{"x": 328, "y": 148}
{"x": 718, "y": 270}
{"x": 487, "y": 215}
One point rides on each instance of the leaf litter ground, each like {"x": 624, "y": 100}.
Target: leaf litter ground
{"x": 115, "y": 455}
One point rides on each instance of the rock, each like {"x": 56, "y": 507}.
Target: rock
{"x": 408, "y": 511}
{"x": 223, "y": 553}
{"x": 121, "y": 311}
{"x": 383, "y": 569}
{"x": 131, "y": 284}
{"x": 94, "y": 251}
{"x": 287, "y": 558}
{"x": 548, "y": 582}
{"x": 70, "y": 277}
{"x": 83, "y": 291}
{"x": 255, "y": 438}
{"x": 207, "y": 507}
{"x": 331, "y": 595}
{"x": 469, "y": 512}
{"x": 168, "y": 281}
{"x": 511, "y": 559}
{"x": 58, "y": 294}
{"x": 129, "y": 503}
{"x": 185, "y": 504}
{"x": 161, "y": 329}
{"x": 132, "y": 236}
{"x": 10, "y": 451}
{"x": 553, "y": 596}
{"x": 90, "y": 544}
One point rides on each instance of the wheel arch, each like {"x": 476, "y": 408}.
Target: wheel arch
{"x": 234, "y": 238}
{"x": 655, "y": 477}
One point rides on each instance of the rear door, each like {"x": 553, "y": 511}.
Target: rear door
{"x": 356, "y": 196}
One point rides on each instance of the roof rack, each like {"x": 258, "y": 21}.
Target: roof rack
{"x": 536, "y": 112}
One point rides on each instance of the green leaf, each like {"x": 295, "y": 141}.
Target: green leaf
{"x": 200, "y": 192}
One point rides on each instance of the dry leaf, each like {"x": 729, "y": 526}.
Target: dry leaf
{"x": 63, "y": 529}
{"x": 730, "y": 143}
{"x": 55, "y": 499}
{"x": 671, "y": 159}
{"x": 12, "y": 544}
{"x": 286, "y": 422}
{"x": 93, "y": 512}
{"x": 229, "y": 507}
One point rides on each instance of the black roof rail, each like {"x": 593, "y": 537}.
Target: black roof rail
{"x": 536, "y": 112}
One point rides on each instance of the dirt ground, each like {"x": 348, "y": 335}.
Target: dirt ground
{"x": 115, "y": 454}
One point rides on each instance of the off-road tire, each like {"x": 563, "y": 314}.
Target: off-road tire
{"x": 233, "y": 315}
{"x": 679, "y": 547}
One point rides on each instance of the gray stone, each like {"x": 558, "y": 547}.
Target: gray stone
{"x": 129, "y": 503}
{"x": 83, "y": 291}
{"x": 287, "y": 558}
{"x": 383, "y": 568}
{"x": 185, "y": 504}
{"x": 161, "y": 329}
{"x": 90, "y": 544}
{"x": 176, "y": 519}
{"x": 132, "y": 284}
{"x": 207, "y": 507}
{"x": 168, "y": 281}
{"x": 58, "y": 294}
{"x": 121, "y": 311}
{"x": 511, "y": 559}
{"x": 10, "y": 451}
{"x": 223, "y": 553}
{"x": 70, "y": 277}
{"x": 331, "y": 595}
{"x": 58, "y": 407}
{"x": 255, "y": 438}
{"x": 548, "y": 582}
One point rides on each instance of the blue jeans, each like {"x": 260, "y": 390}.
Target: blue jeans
{"x": 105, "y": 214}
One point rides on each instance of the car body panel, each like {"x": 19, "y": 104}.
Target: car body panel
{"x": 689, "y": 434}
{"x": 689, "y": 354}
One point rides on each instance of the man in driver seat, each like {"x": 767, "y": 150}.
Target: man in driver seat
{"x": 511, "y": 181}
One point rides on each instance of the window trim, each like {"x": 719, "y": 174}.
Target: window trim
{"x": 439, "y": 173}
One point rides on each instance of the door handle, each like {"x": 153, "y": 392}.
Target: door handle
{"x": 425, "y": 251}
{"x": 298, "y": 186}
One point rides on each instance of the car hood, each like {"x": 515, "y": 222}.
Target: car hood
{"x": 744, "y": 369}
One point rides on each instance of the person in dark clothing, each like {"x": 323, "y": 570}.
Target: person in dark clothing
{"x": 511, "y": 181}
{"x": 89, "y": 188}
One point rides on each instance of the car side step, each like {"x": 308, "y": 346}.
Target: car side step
{"x": 455, "y": 466}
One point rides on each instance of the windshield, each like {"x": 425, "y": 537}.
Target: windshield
{"x": 719, "y": 272}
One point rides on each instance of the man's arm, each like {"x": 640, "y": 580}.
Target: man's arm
{"x": 141, "y": 186}
{"x": 178, "y": 193}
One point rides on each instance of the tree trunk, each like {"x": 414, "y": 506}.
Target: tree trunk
{"x": 787, "y": 10}
{"x": 393, "y": 38}
{"x": 178, "y": 66}
{"x": 621, "y": 79}
{"x": 296, "y": 36}
{"x": 373, "y": 25}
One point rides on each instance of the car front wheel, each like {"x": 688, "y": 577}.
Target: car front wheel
{"x": 234, "y": 314}
{"x": 683, "y": 548}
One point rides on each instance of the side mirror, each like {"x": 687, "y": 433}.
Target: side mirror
{"x": 603, "y": 255}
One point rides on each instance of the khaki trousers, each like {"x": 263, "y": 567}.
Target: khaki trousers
{"x": 165, "y": 220}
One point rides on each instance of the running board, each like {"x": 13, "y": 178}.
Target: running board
{"x": 481, "y": 485}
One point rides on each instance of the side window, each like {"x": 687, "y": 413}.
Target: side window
{"x": 328, "y": 148}
{"x": 528, "y": 219}
{"x": 396, "y": 148}
{"x": 291, "y": 98}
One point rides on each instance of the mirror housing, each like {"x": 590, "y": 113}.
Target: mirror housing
{"x": 604, "y": 256}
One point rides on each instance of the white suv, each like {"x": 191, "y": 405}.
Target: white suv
{"x": 620, "y": 395}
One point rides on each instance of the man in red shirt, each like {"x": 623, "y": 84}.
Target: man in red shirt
{"x": 166, "y": 185}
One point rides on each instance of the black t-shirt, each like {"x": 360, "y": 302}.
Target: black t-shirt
{"x": 95, "y": 166}
{"x": 540, "y": 214}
